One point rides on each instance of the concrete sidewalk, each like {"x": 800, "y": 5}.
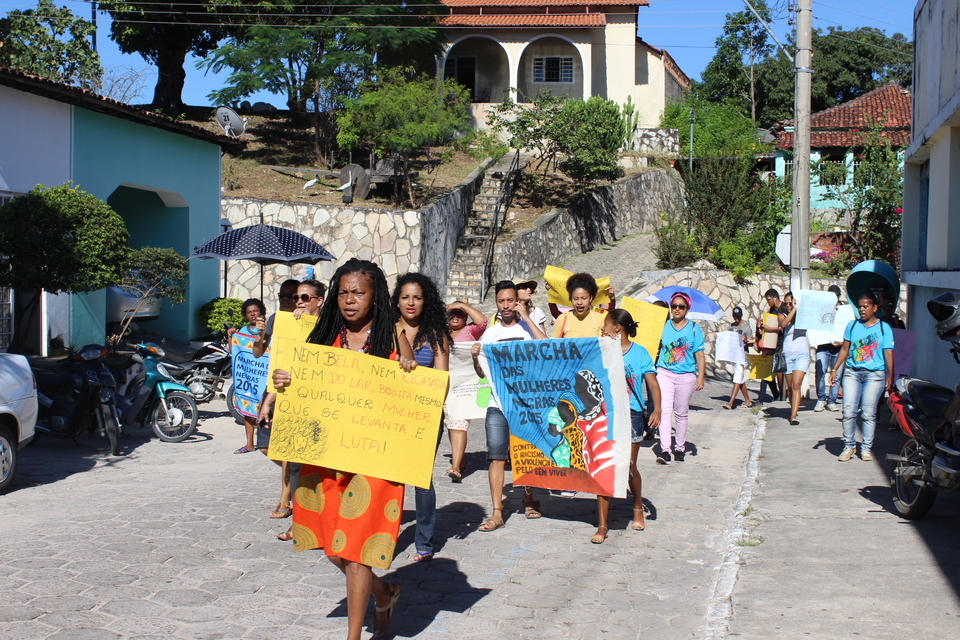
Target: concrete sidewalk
{"x": 832, "y": 558}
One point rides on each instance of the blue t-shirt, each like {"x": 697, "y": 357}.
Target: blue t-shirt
{"x": 867, "y": 345}
{"x": 678, "y": 346}
{"x": 636, "y": 364}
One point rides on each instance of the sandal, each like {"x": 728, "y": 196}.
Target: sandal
{"x": 244, "y": 449}
{"x": 455, "y": 476}
{"x": 286, "y": 536}
{"x": 423, "y": 556}
{"x": 638, "y": 524}
{"x": 492, "y": 523}
{"x": 532, "y": 510}
{"x": 382, "y": 625}
{"x": 281, "y": 512}
{"x": 598, "y": 537}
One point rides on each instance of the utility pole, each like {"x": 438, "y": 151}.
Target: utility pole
{"x": 800, "y": 224}
{"x": 93, "y": 19}
{"x": 690, "y": 160}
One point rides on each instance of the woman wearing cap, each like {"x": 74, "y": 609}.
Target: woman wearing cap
{"x": 739, "y": 370}
{"x": 583, "y": 321}
{"x": 681, "y": 370}
{"x": 457, "y": 314}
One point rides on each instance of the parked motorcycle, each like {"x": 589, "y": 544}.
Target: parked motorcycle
{"x": 928, "y": 458}
{"x": 80, "y": 388}
{"x": 148, "y": 393}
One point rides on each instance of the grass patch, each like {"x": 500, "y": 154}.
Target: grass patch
{"x": 750, "y": 541}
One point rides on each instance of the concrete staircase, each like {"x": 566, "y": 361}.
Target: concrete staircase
{"x": 474, "y": 247}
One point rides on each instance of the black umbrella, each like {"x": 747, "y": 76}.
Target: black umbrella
{"x": 264, "y": 244}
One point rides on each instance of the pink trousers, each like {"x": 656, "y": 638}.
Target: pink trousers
{"x": 675, "y": 392}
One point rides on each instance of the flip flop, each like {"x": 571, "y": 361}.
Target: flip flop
{"x": 455, "y": 476}
{"x": 598, "y": 537}
{"x": 638, "y": 525}
{"x": 380, "y": 627}
{"x": 286, "y": 536}
{"x": 423, "y": 557}
{"x": 726, "y": 406}
{"x": 281, "y": 512}
{"x": 243, "y": 449}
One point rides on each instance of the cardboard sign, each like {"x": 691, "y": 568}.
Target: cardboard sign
{"x": 844, "y": 315}
{"x": 903, "y": 342}
{"x": 557, "y": 294}
{"x": 249, "y": 373}
{"x": 650, "y": 320}
{"x": 357, "y": 413}
{"x": 770, "y": 338}
{"x": 285, "y": 325}
{"x": 761, "y": 367}
{"x": 469, "y": 396}
{"x": 729, "y": 348}
{"x": 816, "y": 310}
{"x": 566, "y": 402}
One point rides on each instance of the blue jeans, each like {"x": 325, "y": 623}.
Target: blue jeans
{"x": 426, "y": 505}
{"x": 861, "y": 392}
{"x": 826, "y": 360}
{"x": 498, "y": 435}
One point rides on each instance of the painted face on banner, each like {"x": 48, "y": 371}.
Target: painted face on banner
{"x": 411, "y": 301}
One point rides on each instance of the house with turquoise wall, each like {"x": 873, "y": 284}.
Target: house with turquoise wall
{"x": 837, "y": 133}
{"x": 161, "y": 176}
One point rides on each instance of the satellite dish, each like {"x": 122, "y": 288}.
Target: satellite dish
{"x": 232, "y": 124}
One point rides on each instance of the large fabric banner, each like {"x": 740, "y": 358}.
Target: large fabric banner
{"x": 569, "y": 415}
{"x": 286, "y": 325}
{"x": 469, "y": 396}
{"x": 649, "y": 319}
{"x": 903, "y": 343}
{"x": 844, "y": 314}
{"x": 730, "y": 348}
{"x": 557, "y": 279}
{"x": 816, "y": 310}
{"x": 249, "y": 373}
{"x": 356, "y": 413}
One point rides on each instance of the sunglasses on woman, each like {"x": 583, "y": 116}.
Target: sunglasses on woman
{"x": 678, "y": 306}
{"x": 303, "y": 297}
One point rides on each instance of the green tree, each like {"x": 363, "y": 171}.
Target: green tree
{"x": 59, "y": 239}
{"x": 719, "y": 128}
{"x": 531, "y": 126}
{"x": 398, "y": 117}
{"x": 52, "y": 43}
{"x": 589, "y": 134}
{"x": 153, "y": 271}
{"x": 731, "y": 74}
{"x": 163, "y": 33}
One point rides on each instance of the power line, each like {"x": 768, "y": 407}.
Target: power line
{"x": 908, "y": 13}
{"x": 860, "y": 15}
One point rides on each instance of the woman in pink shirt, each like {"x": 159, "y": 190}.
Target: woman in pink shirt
{"x": 457, "y": 314}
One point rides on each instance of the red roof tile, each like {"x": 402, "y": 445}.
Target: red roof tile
{"x": 842, "y": 125}
{"x": 514, "y": 20}
{"x": 545, "y": 3}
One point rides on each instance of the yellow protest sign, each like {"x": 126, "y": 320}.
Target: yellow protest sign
{"x": 356, "y": 413}
{"x": 557, "y": 279}
{"x": 761, "y": 367}
{"x": 285, "y": 325}
{"x": 649, "y": 319}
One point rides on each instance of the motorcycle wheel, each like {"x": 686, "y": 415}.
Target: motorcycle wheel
{"x": 911, "y": 500}
{"x": 182, "y": 419}
{"x": 112, "y": 427}
{"x": 232, "y": 409}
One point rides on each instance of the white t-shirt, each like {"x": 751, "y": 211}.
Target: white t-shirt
{"x": 503, "y": 333}
{"x": 538, "y": 317}
{"x": 795, "y": 341}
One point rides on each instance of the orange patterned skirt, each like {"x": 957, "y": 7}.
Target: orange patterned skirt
{"x": 348, "y": 515}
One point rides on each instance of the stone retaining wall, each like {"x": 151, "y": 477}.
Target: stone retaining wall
{"x": 656, "y": 141}
{"x": 399, "y": 241}
{"x": 599, "y": 216}
{"x": 720, "y": 286}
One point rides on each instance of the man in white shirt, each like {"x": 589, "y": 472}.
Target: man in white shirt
{"x": 512, "y": 311}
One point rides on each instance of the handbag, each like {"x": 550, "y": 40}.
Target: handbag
{"x": 779, "y": 364}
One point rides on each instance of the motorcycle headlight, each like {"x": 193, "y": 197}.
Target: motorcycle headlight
{"x": 162, "y": 370}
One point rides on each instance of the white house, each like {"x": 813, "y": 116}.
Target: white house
{"x": 931, "y": 184}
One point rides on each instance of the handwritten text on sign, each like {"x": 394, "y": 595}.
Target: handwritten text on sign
{"x": 357, "y": 413}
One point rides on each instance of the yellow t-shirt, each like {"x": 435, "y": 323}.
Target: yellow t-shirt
{"x": 569, "y": 325}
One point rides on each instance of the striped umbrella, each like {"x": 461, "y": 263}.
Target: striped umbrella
{"x": 263, "y": 244}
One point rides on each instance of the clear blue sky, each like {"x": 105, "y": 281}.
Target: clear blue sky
{"x": 686, "y": 28}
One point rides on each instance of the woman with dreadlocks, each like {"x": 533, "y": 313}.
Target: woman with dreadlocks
{"x": 354, "y": 518}
{"x": 422, "y": 317}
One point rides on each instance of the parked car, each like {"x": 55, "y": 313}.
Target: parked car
{"x": 18, "y": 413}
{"x": 120, "y": 301}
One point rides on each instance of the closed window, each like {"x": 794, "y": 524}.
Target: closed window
{"x": 557, "y": 69}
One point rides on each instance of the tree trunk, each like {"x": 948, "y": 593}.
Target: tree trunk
{"x": 167, "y": 95}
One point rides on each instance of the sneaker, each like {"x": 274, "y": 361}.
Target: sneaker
{"x": 663, "y": 457}
{"x": 866, "y": 456}
{"x": 679, "y": 455}
{"x": 832, "y": 407}
{"x": 820, "y": 405}
{"x": 847, "y": 454}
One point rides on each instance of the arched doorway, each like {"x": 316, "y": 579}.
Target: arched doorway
{"x": 480, "y": 64}
{"x": 550, "y": 63}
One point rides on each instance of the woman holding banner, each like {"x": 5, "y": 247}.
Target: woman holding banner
{"x": 460, "y": 331}
{"x": 354, "y": 518}
{"x": 681, "y": 354}
{"x": 638, "y": 367}
{"x": 582, "y": 321}
{"x": 252, "y": 310}
{"x": 422, "y": 318}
